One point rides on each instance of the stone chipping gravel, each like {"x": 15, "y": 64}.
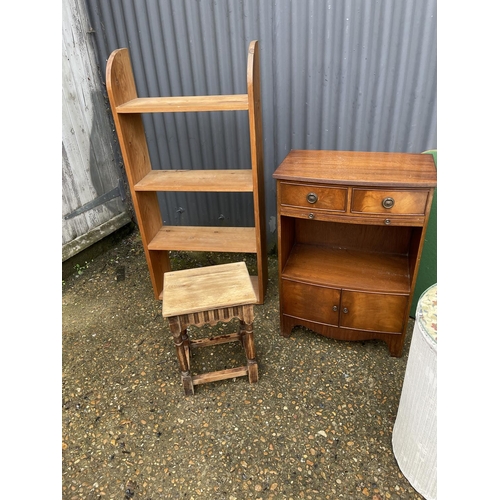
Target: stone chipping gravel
{"x": 317, "y": 425}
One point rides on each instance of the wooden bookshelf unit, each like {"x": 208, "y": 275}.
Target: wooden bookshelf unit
{"x": 351, "y": 228}
{"x": 144, "y": 182}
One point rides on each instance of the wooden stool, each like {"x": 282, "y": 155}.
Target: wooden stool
{"x": 208, "y": 295}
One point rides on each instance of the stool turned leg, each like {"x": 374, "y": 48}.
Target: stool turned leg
{"x": 253, "y": 372}
{"x": 241, "y": 332}
{"x": 180, "y": 341}
{"x": 246, "y": 328}
{"x": 187, "y": 347}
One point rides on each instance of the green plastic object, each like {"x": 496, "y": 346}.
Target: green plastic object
{"x": 427, "y": 273}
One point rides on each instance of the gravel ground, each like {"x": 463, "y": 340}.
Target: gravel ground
{"x": 317, "y": 425}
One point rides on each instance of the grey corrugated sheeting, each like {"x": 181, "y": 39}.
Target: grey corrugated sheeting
{"x": 347, "y": 75}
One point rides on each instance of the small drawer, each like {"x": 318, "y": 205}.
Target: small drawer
{"x": 314, "y": 197}
{"x": 381, "y": 201}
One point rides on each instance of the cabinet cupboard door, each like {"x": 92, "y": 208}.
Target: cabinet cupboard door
{"x": 373, "y": 311}
{"x": 310, "y": 302}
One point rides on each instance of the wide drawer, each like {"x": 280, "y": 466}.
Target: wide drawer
{"x": 313, "y": 197}
{"x": 381, "y": 201}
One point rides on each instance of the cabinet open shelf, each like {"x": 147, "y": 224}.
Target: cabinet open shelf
{"x": 348, "y": 268}
{"x": 145, "y": 182}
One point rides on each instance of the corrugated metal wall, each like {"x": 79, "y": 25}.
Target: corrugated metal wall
{"x": 345, "y": 74}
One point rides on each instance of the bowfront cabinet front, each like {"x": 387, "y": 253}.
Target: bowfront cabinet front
{"x": 351, "y": 227}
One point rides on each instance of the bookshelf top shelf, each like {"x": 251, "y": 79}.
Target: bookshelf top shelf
{"x": 184, "y": 104}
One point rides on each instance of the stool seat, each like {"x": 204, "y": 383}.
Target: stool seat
{"x": 208, "y": 295}
{"x": 213, "y": 287}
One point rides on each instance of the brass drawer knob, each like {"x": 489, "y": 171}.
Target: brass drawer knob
{"x": 335, "y": 308}
{"x": 312, "y": 197}
{"x": 388, "y": 202}
{"x": 345, "y": 310}
{"x": 311, "y": 216}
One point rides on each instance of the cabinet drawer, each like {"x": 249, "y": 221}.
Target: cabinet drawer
{"x": 381, "y": 201}
{"x": 310, "y": 302}
{"x": 310, "y": 196}
{"x": 373, "y": 311}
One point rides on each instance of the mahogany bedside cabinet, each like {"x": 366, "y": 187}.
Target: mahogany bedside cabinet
{"x": 351, "y": 228}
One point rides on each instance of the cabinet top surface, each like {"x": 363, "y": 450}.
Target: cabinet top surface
{"x": 358, "y": 168}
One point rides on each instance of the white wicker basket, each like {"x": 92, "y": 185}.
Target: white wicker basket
{"x": 414, "y": 438}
